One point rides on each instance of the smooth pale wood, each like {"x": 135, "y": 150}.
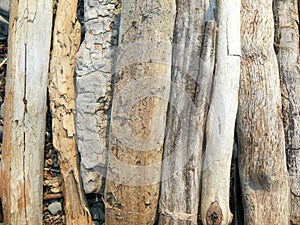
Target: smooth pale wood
{"x": 66, "y": 40}
{"x": 192, "y": 72}
{"x": 221, "y": 117}
{"x": 262, "y": 161}
{"x": 25, "y": 111}
{"x": 287, "y": 49}
{"x": 140, "y": 99}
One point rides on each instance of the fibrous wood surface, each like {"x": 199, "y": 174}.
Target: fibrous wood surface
{"x": 287, "y": 49}
{"x": 262, "y": 161}
{"x": 140, "y": 99}
{"x": 66, "y": 40}
{"x": 25, "y": 111}
{"x": 192, "y": 72}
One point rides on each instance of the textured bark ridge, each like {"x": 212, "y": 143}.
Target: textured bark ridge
{"x": 62, "y": 104}
{"x": 262, "y": 161}
{"x": 221, "y": 117}
{"x": 141, "y": 95}
{"x": 192, "y": 72}
{"x": 287, "y": 49}
{"x": 25, "y": 111}
{"x": 94, "y": 83}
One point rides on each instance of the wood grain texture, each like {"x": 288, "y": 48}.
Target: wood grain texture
{"x": 221, "y": 117}
{"x": 287, "y": 49}
{"x": 140, "y": 99}
{"x": 192, "y": 72}
{"x": 66, "y": 40}
{"x": 262, "y": 161}
{"x": 25, "y": 111}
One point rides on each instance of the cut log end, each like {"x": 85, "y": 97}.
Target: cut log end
{"x": 214, "y": 214}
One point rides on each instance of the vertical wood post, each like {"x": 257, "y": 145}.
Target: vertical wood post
{"x": 192, "y": 72}
{"x": 262, "y": 161}
{"x": 221, "y": 117}
{"x": 140, "y": 100}
{"x": 66, "y": 40}
{"x": 287, "y": 49}
{"x": 25, "y": 111}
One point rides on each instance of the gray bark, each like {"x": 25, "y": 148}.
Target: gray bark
{"x": 95, "y": 68}
{"x": 192, "y": 72}
{"x": 287, "y": 48}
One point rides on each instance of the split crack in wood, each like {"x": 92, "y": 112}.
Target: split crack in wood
{"x": 178, "y": 215}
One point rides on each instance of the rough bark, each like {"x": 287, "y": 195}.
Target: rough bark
{"x": 94, "y": 69}
{"x": 221, "y": 117}
{"x": 262, "y": 161}
{"x": 287, "y": 49}
{"x": 66, "y": 40}
{"x": 25, "y": 111}
{"x": 139, "y": 108}
{"x": 192, "y": 70}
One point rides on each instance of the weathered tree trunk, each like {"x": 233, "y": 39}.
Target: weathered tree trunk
{"x": 287, "y": 48}
{"x": 262, "y": 161}
{"x": 25, "y": 111}
{"x": 66, "y": 40}
{"x": 190, "y": 94}
{"x": 94, "y": 69}
{"x": 221, "y": 117}
{"x": 139, "y": 108}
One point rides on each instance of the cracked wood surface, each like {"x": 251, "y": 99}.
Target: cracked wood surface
{"x": 94, "y": 76}
{"x": 192, "y": 72}
{"x": 262, "y": 161}
{"x": 141, "y": 94}
{"x": 287, "y": 48}
{"x": 66, "y": 40}
{"x": 220, "y": 125}
{"x": 25, "y": 111}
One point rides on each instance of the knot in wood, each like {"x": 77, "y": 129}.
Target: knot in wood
{"x": 214, "y": 214}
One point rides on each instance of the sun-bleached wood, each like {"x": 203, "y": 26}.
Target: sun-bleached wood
{"x": 287, "y": 49}
{"x": 192, "y": 72}
{"x": 221, "y": 117}
{"x": 66, "y": 40}
{"x": 262, "y": 161}
{"x": 140, "y": 99}
{"x": 25, "y": 111}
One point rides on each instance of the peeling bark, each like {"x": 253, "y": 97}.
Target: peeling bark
{"x": 192, "y": 72}
{"x": 66, "y": 40}
{"x": 262, "y": 161}
{"x": 139, "y": 108}
{"x": 25, "y": 111}
{"x": 287, "y": 49}
{"x": 221, "y": 117}
{"x": 95, "y": 69}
